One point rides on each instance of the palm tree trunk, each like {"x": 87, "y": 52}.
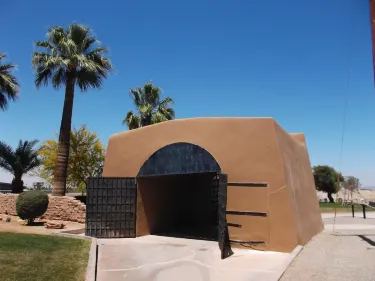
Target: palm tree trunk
{"x": 62, "y": 158}
{"x": 17, "y": 185}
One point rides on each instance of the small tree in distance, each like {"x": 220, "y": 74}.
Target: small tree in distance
{"x": 326, "y": 178}
{"x": 19, "y": 161}
{"x": 351, "y": 184}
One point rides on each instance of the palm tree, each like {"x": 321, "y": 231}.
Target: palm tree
{"x": 19, "y": 162}
{"x": 70, "y": 57}
{"x": 150, "y": 109}
{"x": 9, "y": 87}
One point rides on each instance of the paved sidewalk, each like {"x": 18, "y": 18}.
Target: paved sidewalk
{"x": 155, "y": 258}
{"x": 346, "y": 254}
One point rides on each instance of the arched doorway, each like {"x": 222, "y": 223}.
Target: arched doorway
{"x": 178, "y": 188}
{"x": 179, "y": 158}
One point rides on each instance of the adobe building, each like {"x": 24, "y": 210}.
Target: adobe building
{"x": 173, "y": 171}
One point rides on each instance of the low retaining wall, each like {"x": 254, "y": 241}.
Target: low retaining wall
{"x": 59, "y": 208}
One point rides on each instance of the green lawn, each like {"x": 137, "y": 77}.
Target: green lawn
{"x": 330, "y": 207}
{"x": 26, "y": 257}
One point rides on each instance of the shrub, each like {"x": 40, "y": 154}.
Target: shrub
{"x": 31, "y": 204}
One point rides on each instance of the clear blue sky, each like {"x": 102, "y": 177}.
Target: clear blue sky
{"x": 285, "y": 59}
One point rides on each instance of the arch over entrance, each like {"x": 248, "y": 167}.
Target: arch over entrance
{"x": 179, "y": 158}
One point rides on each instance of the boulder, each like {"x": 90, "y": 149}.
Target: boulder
{"x": 54, "y": 225}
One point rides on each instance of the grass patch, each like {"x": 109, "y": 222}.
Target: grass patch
{"x": 25, "y": 257}
{"x": 330, "y": 207}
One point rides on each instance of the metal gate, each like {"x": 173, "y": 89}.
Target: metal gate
{"x": 223, "y": 235}
{"x": 111, "y": 207}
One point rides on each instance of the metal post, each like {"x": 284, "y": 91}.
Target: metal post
{"x": 353, "y": 210}
{"x": 364, "y": 211}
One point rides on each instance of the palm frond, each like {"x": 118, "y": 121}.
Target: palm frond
{"x": 136, "y": 95}
{"x": 7, "y": 67}
{"x": 27, "y": 156}
{"x": 88, "y": 43}
{"x": 151, "y": 109}
{"x": 55, "y": 35}
{"x": 47, "y": 46}
{"x": 132, "y": 120}
{"x": 87, "y": 79}
{"x": 78, "y": 34}
{"x": 7, "y": 157}
{"x": 9, "y": 86}
{"x": 71, "y": 53}
{"x": 59, "y": 78}
{"x": 42, "y": 76}
{"x": 166, "y": 101}
{"x": 162, "y": 114}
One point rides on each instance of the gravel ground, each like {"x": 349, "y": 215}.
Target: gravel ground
{"x": 343, "y": 255}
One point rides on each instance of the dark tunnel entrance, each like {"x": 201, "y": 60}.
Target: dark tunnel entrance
{"x": 182, "y": 206}
{"x": 178, "y": 188}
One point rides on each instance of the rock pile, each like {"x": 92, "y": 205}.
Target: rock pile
{"x": 54, "y": 225}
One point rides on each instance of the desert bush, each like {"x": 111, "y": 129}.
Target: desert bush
{"x": 31, "y": 204}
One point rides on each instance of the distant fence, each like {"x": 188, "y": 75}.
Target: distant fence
{"x": 5, "y": 187}
{"x": 5, "y": 191}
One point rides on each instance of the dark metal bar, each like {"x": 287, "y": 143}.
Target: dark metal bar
{"x": 97, "y": 225}
{"x": 353, "y": 210}
{"x": 247, "y": 242}
{"x": 96, "y": 262}
{"x": 135, "y": 208}
{"x": 107, "y": 210}
{"x": 247, "y": 213}
{"x": 364, "y": 211}
{"x": 234, "y": 225}
{"x": 126, "y": 199}
{"x": 248, "y": 184}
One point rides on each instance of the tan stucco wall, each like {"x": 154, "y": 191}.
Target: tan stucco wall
{"x": 248, "y": 150}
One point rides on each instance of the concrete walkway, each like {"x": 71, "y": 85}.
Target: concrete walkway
{"x": 345, "y": 254}
{"x": 342, "y": 254}
{"x": 156, "y": 258}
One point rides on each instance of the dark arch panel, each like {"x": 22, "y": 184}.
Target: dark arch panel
{"x": 179, "y": 158}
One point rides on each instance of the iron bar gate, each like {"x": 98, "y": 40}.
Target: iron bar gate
{"x": 224, "y": 242}
{"x": 111, "y": 207}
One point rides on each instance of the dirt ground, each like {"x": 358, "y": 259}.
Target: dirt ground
{"x": 37, "y": 228}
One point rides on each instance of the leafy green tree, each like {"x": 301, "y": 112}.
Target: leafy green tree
{"x": 85, "y": 160}
{"x": 149, "y": 106}
{"x": 19, "y": 161}
{"x": 326, "y": 180}
{"x": 71, "y": 57}
{"x": 9, "y": 87}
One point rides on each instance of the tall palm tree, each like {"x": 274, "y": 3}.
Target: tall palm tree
{"x": 19, "y": 161}
{"x": 150, "y": 109}
{"x": 9, "y": 87}
{"x": 71, "y": 57}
